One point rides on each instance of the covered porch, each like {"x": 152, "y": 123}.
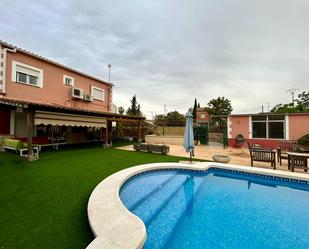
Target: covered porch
{"x": 45, "y": 125}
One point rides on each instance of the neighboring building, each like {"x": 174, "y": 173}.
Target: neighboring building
{"x": 202, "y": 117}
{"x": 268, "y": 129}
{"x": 60, "y": 103}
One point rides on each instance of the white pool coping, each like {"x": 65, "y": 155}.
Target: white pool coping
{"x": 115, "y": 227}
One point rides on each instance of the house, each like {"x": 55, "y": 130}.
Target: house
{"x": 267, "y": 129}
{"x": 52, "y": 103}
{"x": 202, "y": 116}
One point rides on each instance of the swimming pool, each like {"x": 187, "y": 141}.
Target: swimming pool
{"x": 219, "y": 208}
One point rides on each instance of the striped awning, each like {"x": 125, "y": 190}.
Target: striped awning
{"x": 63, "y": 119}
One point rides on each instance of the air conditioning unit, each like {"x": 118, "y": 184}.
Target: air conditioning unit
{"x": 88, "y": 97}
{"x": 77, "y": 93}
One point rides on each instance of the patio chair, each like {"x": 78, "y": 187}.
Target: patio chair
{"x": 298, "y": 162}
{"x": 254, "y": 146}
{"x": 282, "y": 150}
{"x": 261, "y": 155}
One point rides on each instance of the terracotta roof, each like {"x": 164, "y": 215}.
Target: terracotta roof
{"x": 21, "y": 50}
{"x": 41, "y": 106}
{"x": 201, "y": 109}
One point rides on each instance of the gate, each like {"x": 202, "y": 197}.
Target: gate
{"x": 201, "y": 134}
{"x": 218, "y": 132}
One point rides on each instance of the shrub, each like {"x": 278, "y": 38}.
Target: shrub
{"x": 304, "y": 140}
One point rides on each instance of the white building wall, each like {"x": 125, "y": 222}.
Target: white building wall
{"x": 250, "y": 127}
{"x": 287, "y": 127}
{"x": 229, "y": 127}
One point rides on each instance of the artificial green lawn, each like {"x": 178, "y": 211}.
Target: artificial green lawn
{"x": 43, "y": 204}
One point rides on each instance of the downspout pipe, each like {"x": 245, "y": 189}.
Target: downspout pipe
{"x": 5, "y": 50}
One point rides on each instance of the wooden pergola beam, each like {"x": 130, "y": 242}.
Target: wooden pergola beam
{"x": 30, "y": 134}
{"x": 125, "y": 120}
{"x": 139, "y": 140}
{"x": 106, "y": 136}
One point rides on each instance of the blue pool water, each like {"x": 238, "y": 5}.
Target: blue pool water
{"x": 218, "y": 209}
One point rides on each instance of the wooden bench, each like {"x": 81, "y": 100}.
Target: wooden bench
{"x": 153, "y": 148}
{"x": 263, "y": 155}
{"x": 141, "y": 147}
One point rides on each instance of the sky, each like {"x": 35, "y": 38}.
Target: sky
{"x": 168, "y": 52}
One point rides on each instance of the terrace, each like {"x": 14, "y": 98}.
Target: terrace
{"x": 239, "y": 156}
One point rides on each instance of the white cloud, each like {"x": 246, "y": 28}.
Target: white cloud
{"x": 169, "y": 52}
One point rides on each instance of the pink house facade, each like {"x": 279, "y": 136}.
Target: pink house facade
{"x": 61, "y": 104}
{"x": 267, "y": 129}
{"x": 29, "y": 77}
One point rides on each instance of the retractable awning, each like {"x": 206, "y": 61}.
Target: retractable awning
{"x": 62, "y": 119}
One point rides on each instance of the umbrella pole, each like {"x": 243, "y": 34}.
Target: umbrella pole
{"x": 190, "y": 156}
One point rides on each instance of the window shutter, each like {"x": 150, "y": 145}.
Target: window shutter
{"x": 98, "y": 94}
{"x": 27, "y": 71}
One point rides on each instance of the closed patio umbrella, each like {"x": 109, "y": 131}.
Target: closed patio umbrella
{"x": 188, "y": 142}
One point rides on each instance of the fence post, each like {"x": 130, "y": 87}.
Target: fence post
{"x": 225, "y": 136}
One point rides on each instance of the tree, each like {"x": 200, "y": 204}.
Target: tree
{"x": 219, "y": 106}
{"x": 170, "y": 119}
{"x": 286, "y": 108}
{"x": 175, "y": 119}
{"x": 160, "y": 120}
{"x": 302, "y": 105}
{"x": 194, "y": 109}
{"x": 121, "y": 110}
{"x": 303, "y": 99}
{"x": 135, "y": 109}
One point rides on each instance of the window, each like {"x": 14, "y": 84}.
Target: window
{"x": 276, "y": 129}
{"x": 203, "y": 115}
{"x": 271, "y": 126}
{"x": 33, "y": 80}
{"x": 26, "y": 78}
{"x": 97, "y": 93}
{"x": 27, "y": 74}
{"x": 259, "y": 129}
{"x": 67, "y": 80}
{"x": 21, "y": 77}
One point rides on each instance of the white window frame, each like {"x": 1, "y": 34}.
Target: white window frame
{"x": 99, "y": 89}
{"x": 68, "y": 77}
{"x": 267, "y": 121}
{"x": 14, "y": 73}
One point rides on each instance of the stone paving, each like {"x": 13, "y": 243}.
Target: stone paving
{"x": 239, "y": 156}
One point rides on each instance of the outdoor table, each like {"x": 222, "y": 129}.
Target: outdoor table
{"x": 291, "y": 156}
{"x": 303, "y": 149}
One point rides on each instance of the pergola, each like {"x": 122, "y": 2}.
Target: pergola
{"x": 38, "y": 113}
